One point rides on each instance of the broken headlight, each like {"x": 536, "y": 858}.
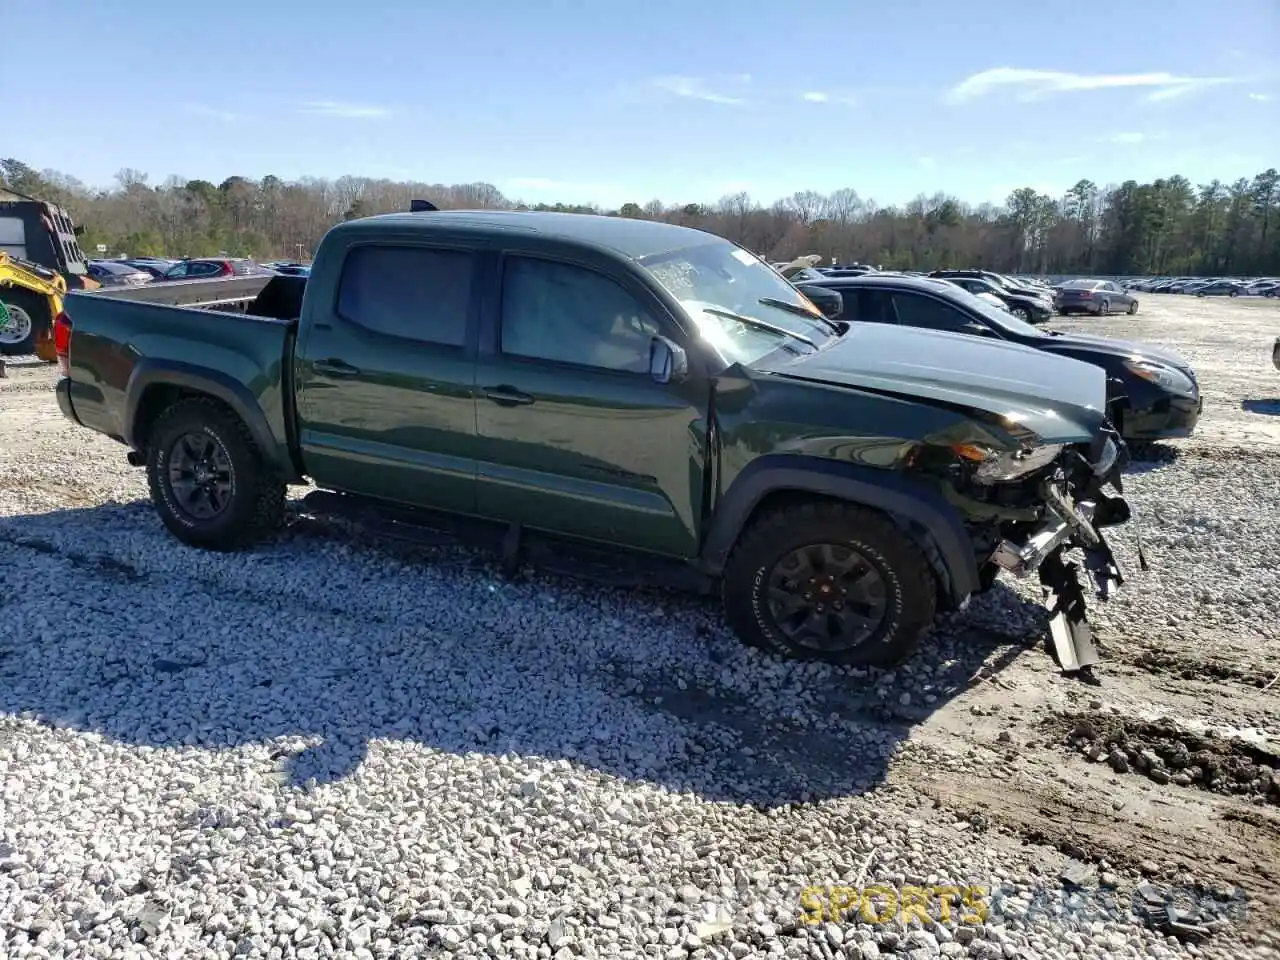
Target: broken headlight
{"x": 999, "y": 466}
{"x": 1107, "y": 458}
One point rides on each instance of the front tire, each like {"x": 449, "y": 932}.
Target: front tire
{"x": 1133, "y": 308}
{"x": 831, "y": 582}
{"x": 208, "y": 482}
{"x": 1022, "y": 313}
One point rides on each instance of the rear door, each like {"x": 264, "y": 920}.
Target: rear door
{"x": 386, "y": 373}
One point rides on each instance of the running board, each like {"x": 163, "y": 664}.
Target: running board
{"x": 513, "y": 545}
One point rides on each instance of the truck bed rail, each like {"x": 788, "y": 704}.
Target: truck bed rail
{"x": 231, "y": 293}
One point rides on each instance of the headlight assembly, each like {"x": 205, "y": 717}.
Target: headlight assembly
{"x": 995, "y": 466}
{"x": 1175, "y": 381}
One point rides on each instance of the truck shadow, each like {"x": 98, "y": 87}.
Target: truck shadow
{"x": 312, "y": 648}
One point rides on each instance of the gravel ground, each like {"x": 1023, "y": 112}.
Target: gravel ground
{"x": 325, "y": 748}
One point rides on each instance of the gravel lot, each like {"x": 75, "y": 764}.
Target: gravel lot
{"x": 328, "y": 748}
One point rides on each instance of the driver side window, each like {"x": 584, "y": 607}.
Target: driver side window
{"x": 569, "y": 314}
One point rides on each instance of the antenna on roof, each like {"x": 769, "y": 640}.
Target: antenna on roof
{"x": 422, "y": 206}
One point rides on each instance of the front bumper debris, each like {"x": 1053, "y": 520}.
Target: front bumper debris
{"x": 1070, "y": 523}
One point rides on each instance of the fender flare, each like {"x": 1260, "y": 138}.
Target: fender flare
{"x": 188, "y": 376}
{"x": 932, "y": 518}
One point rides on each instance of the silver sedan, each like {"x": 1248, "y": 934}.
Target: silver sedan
{"x": 1099, "y": 297}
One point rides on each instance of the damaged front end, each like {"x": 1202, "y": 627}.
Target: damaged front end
{"x": 1040, "y": 504}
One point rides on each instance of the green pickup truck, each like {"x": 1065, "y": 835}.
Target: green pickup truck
{"x": 632, "y": 384}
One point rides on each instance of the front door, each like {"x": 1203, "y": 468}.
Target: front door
{"x": 386, "y": 371}
{"x": 575, "y": 436}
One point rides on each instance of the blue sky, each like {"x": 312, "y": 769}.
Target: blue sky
{"x": 610, "y": 101}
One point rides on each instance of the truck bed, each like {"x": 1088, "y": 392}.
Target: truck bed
{"x": 274, "y": 297}
{"x": 133, "y": 348}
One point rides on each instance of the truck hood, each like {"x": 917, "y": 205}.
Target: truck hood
{"x": 1062, "y": 400}
{"x": 1080, "y": 345}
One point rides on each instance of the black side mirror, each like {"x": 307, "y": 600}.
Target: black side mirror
{"x": 78, "y": 230}
{"x": 668, "y": 363}
{"x": 828, "y": 301}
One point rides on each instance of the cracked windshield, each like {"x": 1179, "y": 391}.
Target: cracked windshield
{"x": 681, "y": 482}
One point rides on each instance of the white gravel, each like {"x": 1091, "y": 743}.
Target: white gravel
{"x": 316, "y": 749}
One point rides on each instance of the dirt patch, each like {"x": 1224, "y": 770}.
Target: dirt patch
{"x": 1167, "y": 754}
{"x": 1221, "y": 853}
{"x": 1166, "y": 663}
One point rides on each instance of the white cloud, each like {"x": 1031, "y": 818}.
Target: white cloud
{"x": 822, "y": 96}
{"x": 351, "y": 111}
{"x": 697, "y": 88}
{"x": 928, "y": 162}
{"x": 1261, "y": 97}
{"x": 226, "y": 116}
{"x": 1127, "y": 138}
{"x": 1037, "y": 84}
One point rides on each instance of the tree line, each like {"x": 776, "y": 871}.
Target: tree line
{"x": 1168, "y": 226}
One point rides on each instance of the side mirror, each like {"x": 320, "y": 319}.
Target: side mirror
{"x": 828, "y": 301}
{"x": 668, "y": 363}
{"x": 78, "y": 230}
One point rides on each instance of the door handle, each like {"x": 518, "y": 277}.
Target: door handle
{"x": 505, "y": 396}
{"x": 335, "y": 368}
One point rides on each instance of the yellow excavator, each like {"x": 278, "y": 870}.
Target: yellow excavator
{"x": 30, "y": 297}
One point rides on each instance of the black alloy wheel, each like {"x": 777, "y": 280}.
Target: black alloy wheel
{"x": 200, "y": 475}
{"x": 827, "y": 597}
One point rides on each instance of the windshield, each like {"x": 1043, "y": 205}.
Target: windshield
{"x": 1082, "y": 284}
{"x": 999, "y": 318}
{"x": 725, "y": 278}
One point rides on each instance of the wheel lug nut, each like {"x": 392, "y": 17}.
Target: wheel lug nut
{"x": 821, "y": 608}
{"x": 808, "y": 596}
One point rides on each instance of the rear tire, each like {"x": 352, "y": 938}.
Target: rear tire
{"x": 249, "y": 503}
{"x": 29, "y": 320}
{"x": 888, "y": 587}
{"x": 1104, "y": 309}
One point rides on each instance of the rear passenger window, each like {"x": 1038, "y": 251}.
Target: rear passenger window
{"x": 409, "y": 292}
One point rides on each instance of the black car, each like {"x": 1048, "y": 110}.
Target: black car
{"x": 1030, "y": 309}
{"x": 996, "y": 279}
{"x": 1152, "y": 393}
{"x": 116, "y": 273}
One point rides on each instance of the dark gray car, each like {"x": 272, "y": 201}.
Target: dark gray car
{"x": 1099, "y": 297}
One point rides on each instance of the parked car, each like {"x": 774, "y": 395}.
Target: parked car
{"x": 1099, "y": 297}
{"x": 114, "y": 273}
{"x": 153, "y": 266}
{"x": 1220, "y": 288}
{"x": 1153, "y": 394}
{"x": 634, "y": 384}
{"x": 998, "y": 280}
{"x": 1275, "y": 354}
{"x": 1030, "y": 309}
{"x": 207, "y": 269}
